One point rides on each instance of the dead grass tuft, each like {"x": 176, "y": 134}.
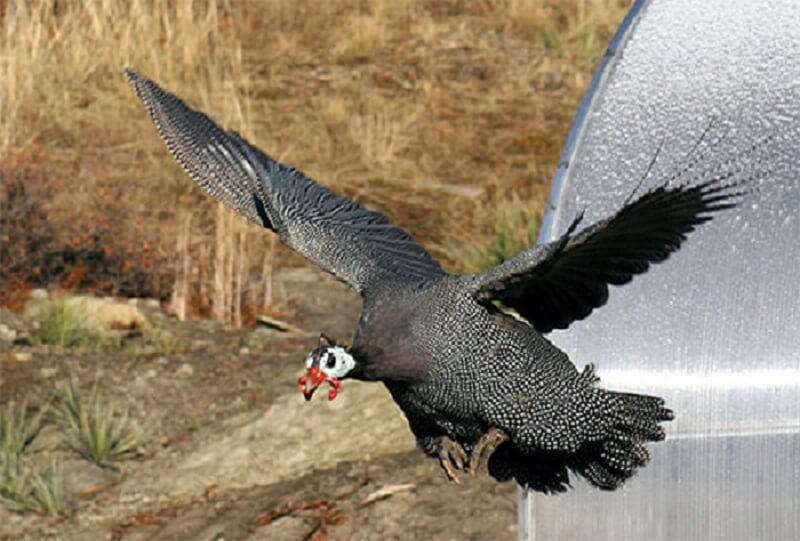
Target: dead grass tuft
{"x": 515, "y": 228}
{"x": 64, "y": 326}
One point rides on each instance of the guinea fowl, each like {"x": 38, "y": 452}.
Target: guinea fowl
{"x": 481, "y": 389}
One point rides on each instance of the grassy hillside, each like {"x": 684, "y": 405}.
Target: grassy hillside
{"x": 446, "y": 115}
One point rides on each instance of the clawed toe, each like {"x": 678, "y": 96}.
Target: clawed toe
{"x": 484, "y": 449}
{"x": 452, "y": 458}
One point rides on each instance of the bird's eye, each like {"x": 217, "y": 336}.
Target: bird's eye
{"x": 331, "y": 361}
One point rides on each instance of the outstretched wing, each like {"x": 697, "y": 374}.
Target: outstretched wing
{"x": 356, "y": 245}
{"x": 557, "y": 283}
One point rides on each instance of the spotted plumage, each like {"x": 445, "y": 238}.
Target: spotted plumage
{"x": 476, "y": 384}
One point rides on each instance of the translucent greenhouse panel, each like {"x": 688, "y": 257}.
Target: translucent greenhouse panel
{"x": 695, "y": 89}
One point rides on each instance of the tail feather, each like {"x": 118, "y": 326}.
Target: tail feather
{"x": 635, "y": 420}
{"x": 612, "y": 454}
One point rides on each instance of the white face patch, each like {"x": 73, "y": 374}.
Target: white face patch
{"x": 336, "y": 362}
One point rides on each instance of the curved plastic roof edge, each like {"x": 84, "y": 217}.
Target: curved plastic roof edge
{"x": 587, "y": 104}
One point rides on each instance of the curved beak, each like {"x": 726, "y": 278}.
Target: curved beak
{"x": 315, "y": 377}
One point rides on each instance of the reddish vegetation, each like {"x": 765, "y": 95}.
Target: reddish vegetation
{"x": 69, "y": 247}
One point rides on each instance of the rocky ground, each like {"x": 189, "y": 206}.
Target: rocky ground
{"x": 227, "y": 447}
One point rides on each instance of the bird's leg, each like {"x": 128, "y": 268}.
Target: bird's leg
{"x": 483, "y": 450}
{"x": 452, "y": 458}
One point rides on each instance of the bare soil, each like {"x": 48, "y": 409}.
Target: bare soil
{"x": 230, "y": 450}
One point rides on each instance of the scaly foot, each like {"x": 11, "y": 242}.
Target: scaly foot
{"x": 486, "y": 446}
{"x": 452, "y": 458}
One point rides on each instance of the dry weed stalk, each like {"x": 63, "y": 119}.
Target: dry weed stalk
{"x": 230, "y": 257}
{"x": 221, "y": 284}
{"x": 239, "y": 275}
{"x": 231, "y": 267}
{"x": 267, "y": 298}
{"x": 179, "y": 298}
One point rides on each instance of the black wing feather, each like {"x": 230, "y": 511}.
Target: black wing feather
{"x": 557, "y": 283}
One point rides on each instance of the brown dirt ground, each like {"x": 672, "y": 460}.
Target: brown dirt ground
{"x": 229, "y": 450}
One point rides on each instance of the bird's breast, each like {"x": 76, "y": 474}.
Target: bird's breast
{"x": 387, "y": 347}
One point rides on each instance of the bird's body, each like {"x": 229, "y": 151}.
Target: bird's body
{"x": 458, "y": 369}
{"x": 470, "y": 378}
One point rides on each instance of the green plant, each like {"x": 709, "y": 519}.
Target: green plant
{"x": 156, "y": 341}
{"x": 23, "y": 488}
{"x": 516, "y": 226}
{"x": 64, "y": 326}
{"x": 516, "y": 229}
{"x": 17, "y": 429}
{"x": 92, "y": 429}
{"x": 165, "y": 342}
{"x": 13, "y": 482}
{"x": 45, "y": 491}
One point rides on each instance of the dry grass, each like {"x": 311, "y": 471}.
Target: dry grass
{"x": 64, "y": 326}
{"x": 434, "y": 112}
{"x": 515, "y": 228}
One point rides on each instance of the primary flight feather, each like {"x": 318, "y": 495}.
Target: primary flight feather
{"x": 480, "y": 388}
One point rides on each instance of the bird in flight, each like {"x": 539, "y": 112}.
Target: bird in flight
{"x": 482, "y": 389}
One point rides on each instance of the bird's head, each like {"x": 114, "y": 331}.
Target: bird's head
{"x": 329, "y": 363}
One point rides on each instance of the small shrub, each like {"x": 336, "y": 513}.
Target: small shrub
{"x": 161, "y": 342}
{"x": 365, "y": 37}
{"x": 17, "y": 429}
{"x": 23, "y": 488}
{"x": 28, "y": 244}
{"x": 515, "y": 229}
{"x": 93, "y": 430}
{"x": 45, "y": 493}
{"x": 13, "y": 482}
{"x": 64, "y": 326}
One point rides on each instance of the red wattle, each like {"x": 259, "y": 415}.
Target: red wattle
{"x": 314, "y": 378}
